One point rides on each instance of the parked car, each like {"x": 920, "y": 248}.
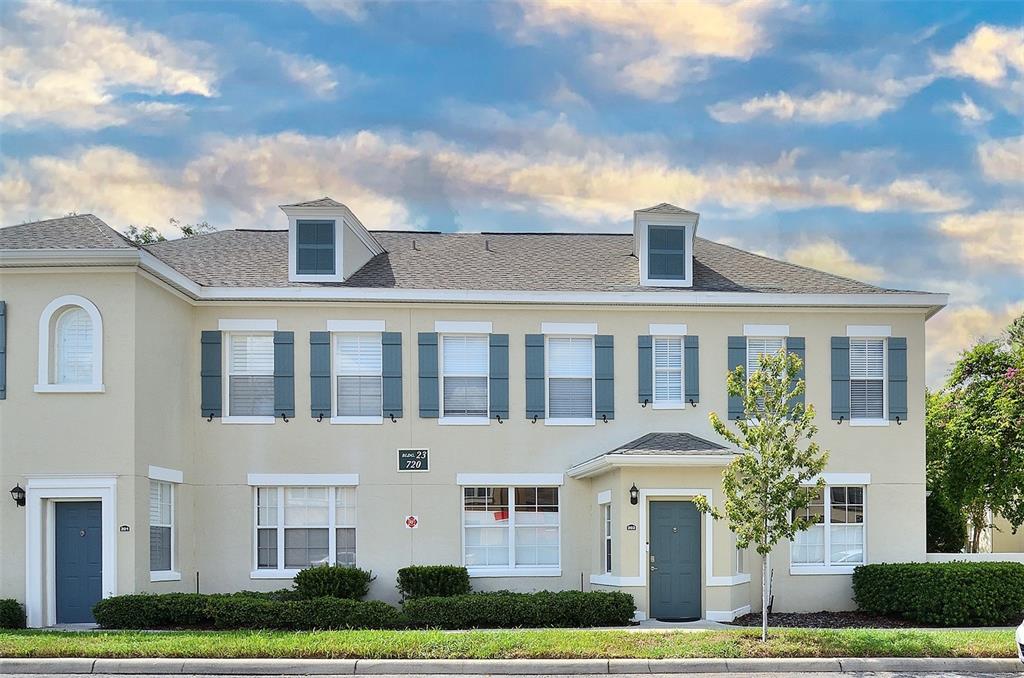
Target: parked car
{"x": 1020, "y": 642}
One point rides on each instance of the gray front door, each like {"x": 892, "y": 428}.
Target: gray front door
{"x": 78, "y": 556}
{"x": 675, "y": 560}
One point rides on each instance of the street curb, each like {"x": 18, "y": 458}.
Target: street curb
{"x": 296, "y": 667}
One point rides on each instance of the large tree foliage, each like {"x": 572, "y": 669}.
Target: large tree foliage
{"x": 778, "y": 470}
{"x": 975, "y": 429}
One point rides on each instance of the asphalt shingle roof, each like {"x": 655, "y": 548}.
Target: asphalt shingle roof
{"x": 665, "y": 208}
{"x": 319, "y": 202}
{"x": 670, "y": 443}
{"x": 75, "y": 232}
{"x": 493, "y": 261}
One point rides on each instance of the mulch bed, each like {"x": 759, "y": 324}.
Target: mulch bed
{"x": 825, "y": 620}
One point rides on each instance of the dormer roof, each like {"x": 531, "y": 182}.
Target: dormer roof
{"x": 319, "y": 202}
{"x": 665, "y": 208}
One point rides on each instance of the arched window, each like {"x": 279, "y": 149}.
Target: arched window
{"x": 70, "y": 346}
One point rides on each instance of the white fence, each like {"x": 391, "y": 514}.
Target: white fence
{"x": 976, "y": 557}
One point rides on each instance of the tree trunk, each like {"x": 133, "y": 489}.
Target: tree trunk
{"x": 978, "y": 523}
{"x": 764, "y": 599}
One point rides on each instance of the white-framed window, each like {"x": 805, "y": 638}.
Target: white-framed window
{"x": 867, "y": 379}
{"x": 464, "y": 375}
{"x": 358, "y": 377}
{"x": 70, "y": 347}
{"x": 664, "y": 247}
{"x": 837, "y": 539}
{"x": 569, "y": 366}
{"x": 668, "y": 371}
{"x": 161, "y": 527}
{"x": 509, "y": 529}
{"x": 741, "y": 561}
{"x": 606, "y": 538}
{"x": 759, "y": 346}
{"x": 297, "y": 527}
{"x": 249, "y": 388}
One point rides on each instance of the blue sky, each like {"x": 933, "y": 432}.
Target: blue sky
{"x": 878, "y": 140}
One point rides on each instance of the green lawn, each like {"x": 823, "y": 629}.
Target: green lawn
{"x": 510, "y": 644}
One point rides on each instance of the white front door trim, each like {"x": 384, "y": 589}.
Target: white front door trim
{"x": 41, "y": 492}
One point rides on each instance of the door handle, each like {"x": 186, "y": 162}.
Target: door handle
{"x": 653, "y": 568}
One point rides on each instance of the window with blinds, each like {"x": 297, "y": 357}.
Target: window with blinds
{"x": 837, "y": 537}
{"x": 304, "y": 526}
{"x": 161, "y": 524}
{"x": 668, "y": 370}
{"x": 465, "y": 364}
{"x": 357, "y": 369}
{"x": 867, "y": 378}
{"x": 73, "y": 347}
{"x": 570, "y": 367}
{"x": 520, "y": 534}
{"x": 759, "y": 346}
{"x": 250, "y": 375}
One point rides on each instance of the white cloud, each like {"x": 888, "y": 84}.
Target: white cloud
{"x": 649, "y": 48}
{"x": 1002, "y": 160}
{"x": 969, "y": 112}
{"x": 959, "y": 327}
{"x": 828, "y": 255}
{"x": 353, "y": 10}
{"x": 990, "y": 238}
{"x": 316, "y": 77}
{"x": 990, "y": 54}
{"x": 68, "y": 65}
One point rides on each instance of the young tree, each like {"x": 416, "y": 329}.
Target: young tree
{"x": 777, "y": 474}
{"x": 144, "y": 235}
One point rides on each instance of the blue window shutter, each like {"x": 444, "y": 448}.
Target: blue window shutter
{"x": 391, "y": 357}
{"x": 498, "y": 381}
{"x": 535, "y": 400}
{"x": 3, "y": 350}
{"x": 691, "y": 368}
{"x": 284, "y": 374}
{"x": 737, "y": 355}
{"x": 796, "y": 346}
{"x": 319, "y": 374}
{"x": 898, "y": 378}
{"x": 841, "y": 378}
{"x": 604, "y": 376}
{"x": 429, "y": 393}
{"x": 644, "y": 369}
{"x": 210, "y": 374}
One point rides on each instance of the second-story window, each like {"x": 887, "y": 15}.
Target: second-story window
{"x": 250, "y": 391}
{"x": 668, "y": 370}
{"x": 757, "y": 347}
{"x": 464, "y": 370}
{"x": 357, "y": 369}
{"x": 570, "y": 370}
{"x": 867, "y": 378}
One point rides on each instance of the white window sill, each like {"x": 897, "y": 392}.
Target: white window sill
{"x": 70, "y": 388}
{"x": 273, "y": 574}
{"x": 821, "y": 569}
{"x": 357, "y": 420}
{"x": 869, "y": 422}
{"x": 463, "y": 421}
{"x": 515, "y": 572}
{"x": 247, "y": 420}
{"x": 165, "y": 575}
{"x": 569, "y": 422}
{"x": 668, "y": 405}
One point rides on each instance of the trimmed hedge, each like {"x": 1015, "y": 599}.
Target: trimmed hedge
{"x": 943, "y": 594}
{"x": 336, "y": 581}
{"x": 503, "y": 609}
{"x": 245, "y": 610}
{"x": 419, "y": 581}
{"x": 12, "y": 614}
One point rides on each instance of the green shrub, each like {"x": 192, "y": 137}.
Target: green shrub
{"x": 943, "y": 594}
{"x": 419, "y": 581}
{"x": 12, "y": 614}
{"x": 151, "y": 611}
{"x": 335, "y": 581}
{"x": 946, "y": 525}
{"x": 504, "y": 609}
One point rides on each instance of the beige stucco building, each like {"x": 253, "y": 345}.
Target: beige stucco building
{"x": 219, "y": 411}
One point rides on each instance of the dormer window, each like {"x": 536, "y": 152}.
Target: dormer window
{"x": 314, "y": 247}
{"x": 663, "y": 243}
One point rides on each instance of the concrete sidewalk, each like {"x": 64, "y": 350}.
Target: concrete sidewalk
{"x": 294, "y": 667}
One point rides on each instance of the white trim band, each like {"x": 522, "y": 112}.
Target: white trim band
{"x": 662, "y": 330}
{"x": 869, "y": 330}
{"x": 462, "y": 327}
{"x": 509, "y": 479}
{"x": 766, "y": 330}
{"x": 568, "y": 328}
{"x": 167, "y": 475}
{"x": 246, "y": 325}
{"x": 303, "y": 479}
{"x": 604, "y": 497}
{"x": 355, "y": 325}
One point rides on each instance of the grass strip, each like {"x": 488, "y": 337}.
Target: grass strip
{"x": 513, "y": 644}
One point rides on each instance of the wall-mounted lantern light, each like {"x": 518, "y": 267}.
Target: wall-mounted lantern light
{"x": 634, "y": 495}
{"x": 18, "y": 495}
